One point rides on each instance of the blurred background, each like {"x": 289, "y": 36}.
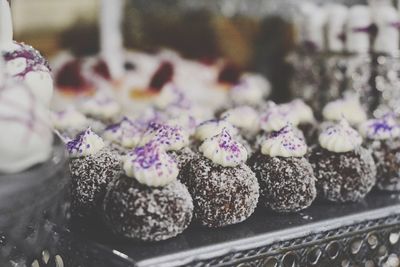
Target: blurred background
{"x": 253, "y": 34}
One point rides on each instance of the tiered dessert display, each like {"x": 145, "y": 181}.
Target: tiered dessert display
{"x": 33, "y": 175}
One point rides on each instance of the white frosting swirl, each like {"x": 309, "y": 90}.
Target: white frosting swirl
{"x": 251, "y": 90}
{"x": 85, "y": 144}
{"x": 151, "y": 165}
{"x": 340, "y": 138}
{"x": 380, "y": 129}
{"x": 69, "y": 119}
{"x": 348, "y": 108}
{"x": 244, "y": 117}
{"x": 166, "y": 136}
{"x": 284, "y": 143}
{"x": 275, "y": 117}
{"x": 101, "y": 107}
{"x": 126, "y": 133}
{"x": 213, "y": 127}
{"x": 222, "y": 149}
{"x": 301, "y": 110}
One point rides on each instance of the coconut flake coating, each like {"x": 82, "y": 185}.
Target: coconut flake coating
{"x": 386, "y": 154}
{"x": 147, "y": 213}
{"x": 286, "y": 184}
{"x": 221, "y": 195}
{"x": 90, "y": 178}
{"x": 343, "y": 177}
{"x": 182, "y": 156}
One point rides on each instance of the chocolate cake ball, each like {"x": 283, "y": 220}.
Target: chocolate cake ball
{"x": 382, "y": 138}
{"x": 147, "y": 202}
{"x": 93, "y": 166}
{"x": 345, "y": 171}
{"x": 224, "y": 190}
{"x": 147, "y": 213}
{"x": 286, "y": 178}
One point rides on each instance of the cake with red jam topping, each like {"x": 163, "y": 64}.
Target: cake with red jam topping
{"x": 382, "y": 136}
{"x": 286, "y": 178}
{"x": 147, "y": 202}
{"x": 345, "y": 170}
{"x": 224, "y": 189}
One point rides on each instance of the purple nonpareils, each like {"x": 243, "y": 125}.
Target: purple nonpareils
{"x": 227, "y": 143}
{"x": 75, "y": 144}
{"x": 146, "y": 156}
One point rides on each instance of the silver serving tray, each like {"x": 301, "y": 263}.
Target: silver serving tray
{"x": 326, "y": 234}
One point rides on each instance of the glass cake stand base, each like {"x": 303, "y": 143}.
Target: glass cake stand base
{"x": 30, "y": 203}
{"x": 359, "y": 234}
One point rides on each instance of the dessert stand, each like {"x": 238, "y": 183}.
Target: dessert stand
{"x": 27, "y": 222}
{"x": 323, "y": 235}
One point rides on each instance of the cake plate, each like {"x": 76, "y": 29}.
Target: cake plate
{"x": 326, "y": 234}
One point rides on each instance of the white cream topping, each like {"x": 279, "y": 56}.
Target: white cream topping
{"x": 251, "y": 90}
{"x": 213, "y": 127}
{"x": 69, "y": 118}
{"x": 85, "y": 144}
{"x": 275, "y": 117}
{"x": 151, "y": 165}
{"x": 101, "y": 107}
{"x": 301, "y": 110}
{"x": 223, "y": 150}
{"x": 126, "y": 133}
{"x": 284, "y": 143}
{"x": 340, "y": 138}
{"x": 26, "y": 136}
{"x": 243, "y": 117}
{"x": 348, "y": 108}
{"x": 166, "y": 136}
{"x": 380, "y": 129}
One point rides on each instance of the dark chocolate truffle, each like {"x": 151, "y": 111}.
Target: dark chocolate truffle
{"x": 147, "y": 213}
{"x": 182, "y": 156}
{"x": 287, "y": 184}
{"x": 343, "y": 177}
{"x": 90, "y": 176}
{"x": 221, "y": 195}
